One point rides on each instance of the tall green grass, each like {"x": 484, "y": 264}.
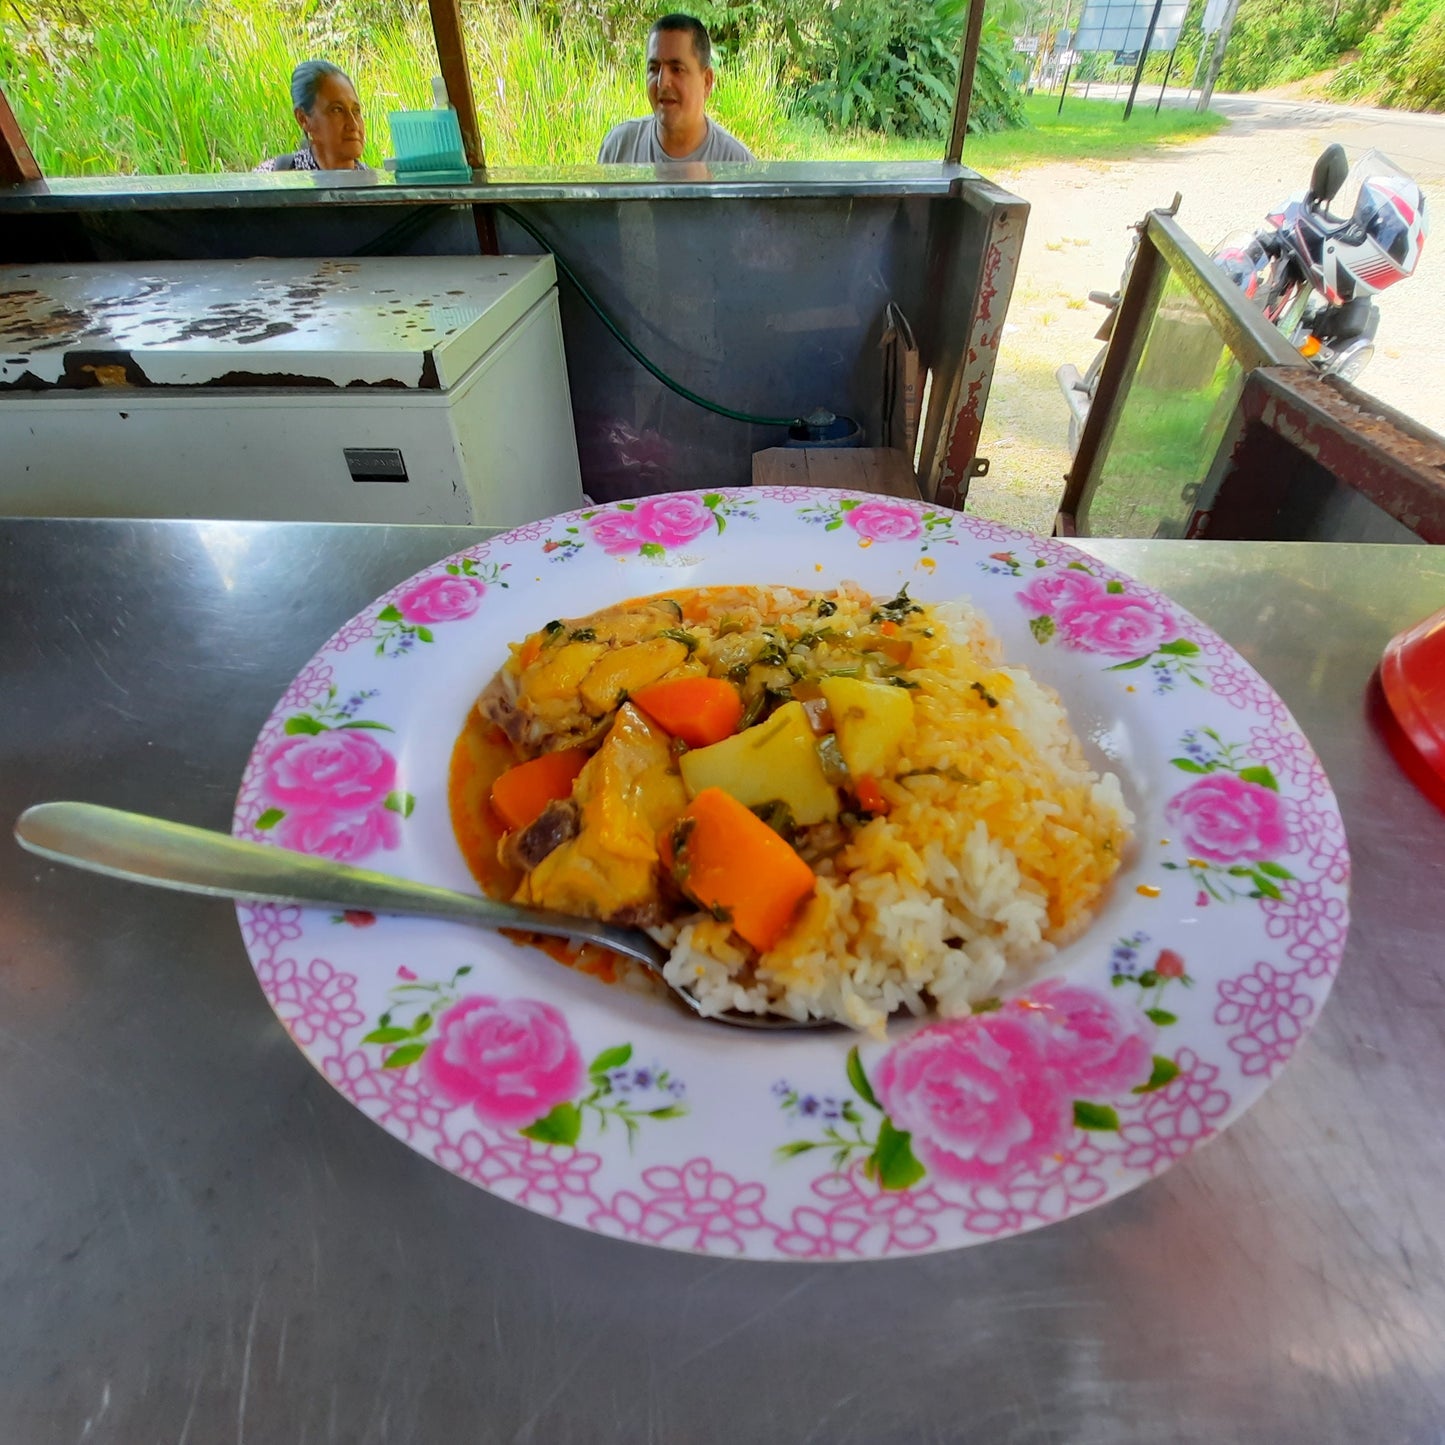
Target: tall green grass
{"x": 205, "y": 89}
{"x": 201, "y": 85}
{"x": 170, "y": 95}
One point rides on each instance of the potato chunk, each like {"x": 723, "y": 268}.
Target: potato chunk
{"x": 873, "y": 722}
{"x": 776, "y": 761}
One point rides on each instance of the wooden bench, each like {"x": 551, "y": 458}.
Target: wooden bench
{"x": 884, "y": 470}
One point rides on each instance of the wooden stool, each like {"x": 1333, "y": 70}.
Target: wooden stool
{"x": 884, "y": 470}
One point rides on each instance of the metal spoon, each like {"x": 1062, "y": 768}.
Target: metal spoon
{"x": 197, "y": 860}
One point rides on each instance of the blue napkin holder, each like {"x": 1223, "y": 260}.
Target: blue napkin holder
{"x": 428, "y": 146}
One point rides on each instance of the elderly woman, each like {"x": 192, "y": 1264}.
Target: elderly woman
{"x": 329, "y": 114}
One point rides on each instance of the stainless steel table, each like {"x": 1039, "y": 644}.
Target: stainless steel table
{"x": 201, "y": 1241}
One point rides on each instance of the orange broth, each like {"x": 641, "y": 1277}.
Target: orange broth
{"x": 481, "y": 754}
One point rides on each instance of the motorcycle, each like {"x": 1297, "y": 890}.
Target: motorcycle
{"x": 1311, "y": 272}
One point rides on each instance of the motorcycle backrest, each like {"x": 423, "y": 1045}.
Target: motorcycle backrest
{"x": 1329, "y": 174}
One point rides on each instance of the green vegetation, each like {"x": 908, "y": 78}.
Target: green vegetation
{"x": 895, "y": 69}
{"x": 1276, "y": 41}
{"x": 1375, "y": 51}
{"x": 1401, "y": 62}
{"x": 1174, "y": 415}
{"x": 200, "y": 85}
{"x": 1087, "y": 130}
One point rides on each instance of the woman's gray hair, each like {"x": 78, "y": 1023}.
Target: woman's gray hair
{"x": 307, "y": 76}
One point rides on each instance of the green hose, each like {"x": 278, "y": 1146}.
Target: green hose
{"x": 631, "y": 350}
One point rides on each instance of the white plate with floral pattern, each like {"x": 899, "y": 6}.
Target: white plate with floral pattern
{"x": 608, "y": 1110}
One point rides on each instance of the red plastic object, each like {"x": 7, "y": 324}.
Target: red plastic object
{"x": 1412, "y": 684}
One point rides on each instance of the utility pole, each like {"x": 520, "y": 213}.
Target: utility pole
{"x": 1221, "y": 43}
{"x": 1143, "y": 58}
{"x": 1046, "y": 39}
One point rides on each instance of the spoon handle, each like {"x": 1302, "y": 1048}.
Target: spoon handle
{"x": 197, "y": 860}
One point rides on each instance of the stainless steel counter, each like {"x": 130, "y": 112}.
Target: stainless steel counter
{"x": 674, "y": 180}
{"x": 201, "y": 1241}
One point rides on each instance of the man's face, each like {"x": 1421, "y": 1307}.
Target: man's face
{"x": 334, "y": 124}
{"x": 677, "y": 85}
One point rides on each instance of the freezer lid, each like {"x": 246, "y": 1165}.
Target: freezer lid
{"x": 414, "y": 322}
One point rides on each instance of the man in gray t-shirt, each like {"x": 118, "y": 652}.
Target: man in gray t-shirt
{"x": 679, "y": 81}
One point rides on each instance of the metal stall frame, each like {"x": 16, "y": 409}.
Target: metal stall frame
{"x": 757, "y": 310}
{"x": 1163, "y": 248}
{"x": 1309, "y": 457}
{"x": 1302, "y": 457}
{"x": 980, "y": 279}
{"x": 18, "y": 164}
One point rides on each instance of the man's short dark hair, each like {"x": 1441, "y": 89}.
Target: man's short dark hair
{"x": 701, "y": 41}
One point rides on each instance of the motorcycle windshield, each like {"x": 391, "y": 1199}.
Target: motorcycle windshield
{"x": 1369, "y": 165}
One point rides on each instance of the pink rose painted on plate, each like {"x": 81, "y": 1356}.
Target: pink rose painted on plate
{"x": 1091, "y": 1046}
{"x": 884, "y": 521}
{"x": 653, "y": 524}
{"x": 515, "y": 1062}
{"x": 1072, "y": 605}
{"x": 1113, "y": 623}
{"x": 979, "y": 1100}
{"x": 671, "y": 521}
{"x": 330, "y": 792}
{"x": 337, "y": 770}
{"x": 342, "y": 837}
{"x": 1061, "y": 588}
{"x": 512, "y": 1061}
{"x": 441, "y": 599}
{"x": 614, "y": 531}
{"x": 974, "y": 1097}
{"x": 1226, "y": 819}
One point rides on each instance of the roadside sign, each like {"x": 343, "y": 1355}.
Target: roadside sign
{"x": 1027, "y": 44}
{"x": 1214, "y": 15}
{"x": 1121, "y": 25}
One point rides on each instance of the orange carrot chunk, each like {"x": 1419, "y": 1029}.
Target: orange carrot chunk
{"x": 870, "y": 795}
{"x": 521, "y": 793}
{"x": 699, "y": 710}
{"x": 732, "y": 863}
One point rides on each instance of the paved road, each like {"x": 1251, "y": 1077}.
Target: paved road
{"x": 1077, "y": 238}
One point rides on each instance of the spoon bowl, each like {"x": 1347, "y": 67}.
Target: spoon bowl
{"x": 142, "y": 849}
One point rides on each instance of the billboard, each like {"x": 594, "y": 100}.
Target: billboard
{"x": 1121, "y": 25}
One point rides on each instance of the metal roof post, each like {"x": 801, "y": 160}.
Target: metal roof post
{"x": 446, "y": 25}
{"x": 17, "y": 162}
{"x": 972, "y": 34}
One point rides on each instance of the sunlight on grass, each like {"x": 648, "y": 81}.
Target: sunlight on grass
{"x": 145, "y": 99}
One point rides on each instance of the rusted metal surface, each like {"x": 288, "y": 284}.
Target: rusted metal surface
{"x": 764, "y": 291}
{"x": 961, "y": 413}
{"x": 17, "y": 163}
{"x": 378, "y": 322}
{"x": 1299, "y": 437}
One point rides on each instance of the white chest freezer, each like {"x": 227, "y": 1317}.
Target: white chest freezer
{"x": 387, "y": 389}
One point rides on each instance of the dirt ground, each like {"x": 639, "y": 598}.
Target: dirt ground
{"x": 1077, "y": 238}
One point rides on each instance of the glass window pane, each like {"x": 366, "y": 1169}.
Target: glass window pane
{"x": 1169, "y": 426}
{"x": 162, "y": 87}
